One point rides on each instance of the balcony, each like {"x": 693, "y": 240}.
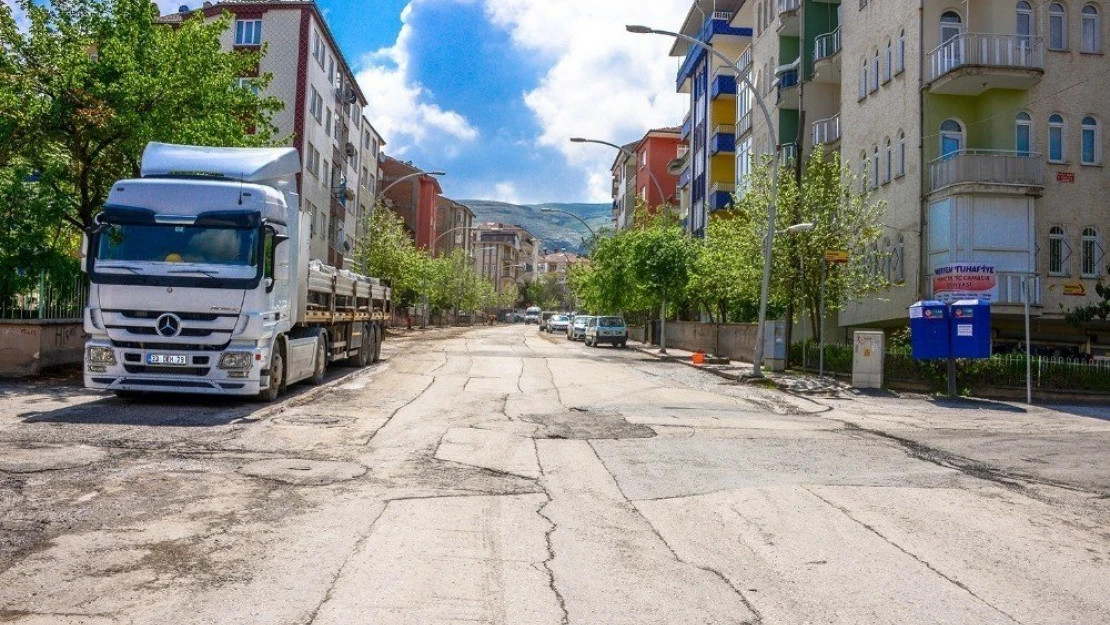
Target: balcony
{"x": 718, "y": 23}
{"x": 723, "y": 139}
{"x": 687, "y": 125}
{"x": 989, "y": 170}
{"x": 744, "y": 124}
{"x": 745, "y": 60}
{"x": 724, "y": 83}
{"x": 972, "y": 63}
{"x": 684, "y": 178}
{"x": 826, "y": 131}
{"x": 788, "y": 154}
{"x": 720, "y": 195}
{"x": 826, "y": 57}
{"x": 786, "y": 93}
{"x": 788, "y": 22}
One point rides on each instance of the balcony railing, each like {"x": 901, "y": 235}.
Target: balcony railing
{"x": 723, "y": 139}
{"x": 984, "y": 49}
{"x": 745, "y": 60}
{"x": 987, "y": 167}
{"x": 744, "y": 124}
{"x": 786, "y": 6}
{"x": 826, "y": 131}
{"x": 788, "y": 152}
{"x": 827, "y": 45}
{"x": 1009, "y": 288}
{"x": 722, "y": 187}
{"x": 683, "y": 150}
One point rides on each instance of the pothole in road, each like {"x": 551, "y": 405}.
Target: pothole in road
{"x": 312, "y": 419}
{"x": 303, "y": 472}
{"x": 584, "y": 424}
{"x": 35, "y": 458}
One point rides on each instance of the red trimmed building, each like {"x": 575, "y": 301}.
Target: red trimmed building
{"x": 416, "y": 200}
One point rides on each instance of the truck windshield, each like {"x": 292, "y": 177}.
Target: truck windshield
{"x": 179, "y": 244}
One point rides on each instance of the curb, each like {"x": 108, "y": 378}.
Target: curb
{"x": 683, "y": 361}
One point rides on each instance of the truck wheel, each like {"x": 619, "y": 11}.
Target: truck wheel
{"x": 365, "y": 351}
{"x": 321, "y": 368}
{"x": 379, "y": 338}
{"x": 277, "y": 377}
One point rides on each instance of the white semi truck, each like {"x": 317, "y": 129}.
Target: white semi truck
{"x": 201, "y": 281}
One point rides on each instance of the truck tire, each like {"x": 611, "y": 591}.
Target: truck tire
{"x": 379, "y": 337}
{"x": 320, "y": 370}
{"x": 366, "y": 349}
{"x": 277, "y": 378}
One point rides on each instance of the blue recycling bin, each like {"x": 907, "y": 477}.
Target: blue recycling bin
{"x": 929, "y": 330}
{"x": 970, "y": 328}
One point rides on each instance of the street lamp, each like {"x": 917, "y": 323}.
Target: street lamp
{"x": 556, "y": 210}
{"x": 654, "y": 180}
{"x": 765, "y": 286}
{"x": 432, "y": 247}
{"x": 380, "y": 192}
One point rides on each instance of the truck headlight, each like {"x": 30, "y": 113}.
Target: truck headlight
{"x": 236, "y": 360}
{"x": 100, "y": 356}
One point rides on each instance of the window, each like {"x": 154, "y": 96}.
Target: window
{"x": 318, "y": 51}
{"x": 325, "y": 174}
{"x": 901, "y": 51}
{"x": 1056, "y": 139}
{"x": 327, "y": 122}
{"x": 1089, "y": 253}
{"x": 1024, "y": 25}
{"x": 1089, "y": 28}
{"x": 1057, "y": 27}
{"x": 863, "y": 80}
{"x": 901, "y": 153}
{"x": 951, "y": 26}
{"x": 1056, "y": 256}
{"x": 889, "y": 61}
{"x": 248, "y": 32}
{"x": 862, "y": 172}
{"x": 875, "y": 167}
{"x": 759, "y": 20}
{"x": 875, "y": 69}
{"x": 316, "y": 105}
{"x": 1023, "y": 139}
{"x": 331, "y": 69}
{"x": 313, "y": 161}
{"x": 643, "y": 160}
{"x": 249, "y": 83}
{"x": 312, "y": 219}
{"x": 951, "y": 138}
{"x": 889, "y": 162}
{"x": 1089, "y": 141}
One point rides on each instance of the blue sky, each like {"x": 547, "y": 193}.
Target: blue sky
{"x": 491, "y": 90}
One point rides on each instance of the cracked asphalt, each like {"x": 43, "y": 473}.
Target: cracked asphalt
{"x": 498, "y": 475}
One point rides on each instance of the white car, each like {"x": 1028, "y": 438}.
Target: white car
{"x": 606, "y": 330}
{"x": 558, "y": 323}
{"x": 576, "y": 330}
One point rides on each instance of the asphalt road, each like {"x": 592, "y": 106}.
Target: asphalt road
{"x": 497, "y": 475}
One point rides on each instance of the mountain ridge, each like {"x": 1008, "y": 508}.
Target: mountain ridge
{"x": 555, "y": 231}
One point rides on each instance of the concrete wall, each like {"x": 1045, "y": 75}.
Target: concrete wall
{"x": 737, "y": 340}
{"x": 28, "y": 346}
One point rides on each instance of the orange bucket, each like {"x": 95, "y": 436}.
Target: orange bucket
{"x": 698, "y": 358}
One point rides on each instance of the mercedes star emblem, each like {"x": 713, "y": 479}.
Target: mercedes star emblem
{"x": 168, "y": 325}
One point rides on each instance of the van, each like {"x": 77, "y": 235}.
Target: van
{"x": 532, "y": 315}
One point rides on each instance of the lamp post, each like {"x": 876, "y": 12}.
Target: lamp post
{"x": 378, "y": 193}
{"x": 765, "y": 286}
{"x": 583, "y": 221}
{"x": 654, "y": 180}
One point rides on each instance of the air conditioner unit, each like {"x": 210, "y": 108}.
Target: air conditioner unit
{"x": 350, "y": 96}
{"x": 350, "y": 149}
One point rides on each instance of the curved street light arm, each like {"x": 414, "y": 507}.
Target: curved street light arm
{"x": 765, "y": 285}
{"x": 556, "y": 210}
{"x": 628, "y": 153}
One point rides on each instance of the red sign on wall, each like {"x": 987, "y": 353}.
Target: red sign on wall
{"x": 1065, "y": 176}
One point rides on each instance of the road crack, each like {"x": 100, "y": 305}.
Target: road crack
{"x": 339, "y": 572}
{"x": 925, "y": 563}
{"x": 552, "y": 526}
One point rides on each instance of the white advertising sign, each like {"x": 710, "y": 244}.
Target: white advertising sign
{"x": 957, "y": 281}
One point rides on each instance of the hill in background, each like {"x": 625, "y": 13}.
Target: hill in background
{"x": 556, "y": 231}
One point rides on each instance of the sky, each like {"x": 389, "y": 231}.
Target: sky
{"x": 491, "y": 91}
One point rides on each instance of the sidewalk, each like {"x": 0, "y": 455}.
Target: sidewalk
{"x": 789, "y": 381}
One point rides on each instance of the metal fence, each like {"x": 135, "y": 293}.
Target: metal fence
{"x": 58, "y": 296}
{"x": 999, "y": 371}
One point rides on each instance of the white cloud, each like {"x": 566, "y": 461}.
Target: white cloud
{"x": 403, "y": 110}
{"x": 604, "y": 82}
{"x": 18, "y": 14}
{"x": 506, "y": 192}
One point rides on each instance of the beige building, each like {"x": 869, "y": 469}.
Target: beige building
{"x": 505, "y": 254}
{"x": 559, "y": 264}
{"x": 456, "y": 217}
{"x": 324, "y": 114}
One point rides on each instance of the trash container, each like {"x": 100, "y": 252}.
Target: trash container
{"x": 929, "y": 330}
{"x": 970, "y": 329}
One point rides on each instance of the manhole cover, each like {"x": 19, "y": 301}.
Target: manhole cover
{"x": 34, "y": 458}
{"x": 303, "y": 472}
{"x": 311, "y": 419}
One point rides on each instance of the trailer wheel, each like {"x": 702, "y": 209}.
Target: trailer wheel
{"x": 321, "y": 368}
{"x": 277, "y": 378}
{"x": 365, "y": 351}
{"x": 379, "y": 337}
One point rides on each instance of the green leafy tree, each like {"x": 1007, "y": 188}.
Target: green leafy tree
{"x": 387, "y": 252}
{"x": 91, "y": 82}
{"x": 1097, "y": 311}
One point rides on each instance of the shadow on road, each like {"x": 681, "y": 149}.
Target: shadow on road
{"x": 970, "y": 403}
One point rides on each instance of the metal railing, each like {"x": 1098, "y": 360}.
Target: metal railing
{"x": 745, "y": 60}
{"x": 786, "y": 6}
{"x": 788, "y": 152}
{"x": 722, "y": 187}
{"x": 722, "y": 15}
{"x": 1009, "y": 288}
{"x": 826, "y": 131}
{"x": 727, "y": 129}
{"x": 61, "y": 296}
{"x": 683, "y": 150}
{"x": 827, "y": 45}
{"x": 744, "y": 124}
{"x": 987, "y": 166}
{"x": 985, "y": 49}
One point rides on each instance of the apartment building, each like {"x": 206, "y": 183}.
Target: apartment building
{"x": 324, "y": 113}
{"x": 624, "y": 186}
{"x": 559, "y": 264}
{"x": 505, "y": 254}
{"x": 456, "y": 219}
{"x": 643, "y": 173}
{"x": 414, "y": 198}
{"x": 707, "y": 180}
{"x": 979, "y": 125}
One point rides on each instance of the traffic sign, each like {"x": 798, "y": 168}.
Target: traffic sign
{"x": 836, "y": 256}
{"x": 1074, "y": 288}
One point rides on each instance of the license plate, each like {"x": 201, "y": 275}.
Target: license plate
{"x": 166, "y": 359}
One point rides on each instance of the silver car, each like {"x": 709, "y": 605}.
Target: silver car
{"x": 606, "y": 330}
{"x": 558, "y": 323}
{"x": 576, "y": 331}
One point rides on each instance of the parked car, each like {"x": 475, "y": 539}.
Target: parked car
{"x": 609, "y": 329}
{"x": 576, "y": 329}
{"x": 558, "y": 323}
{"x": 532, "y": 315}
{"x": 544, "y": 316}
